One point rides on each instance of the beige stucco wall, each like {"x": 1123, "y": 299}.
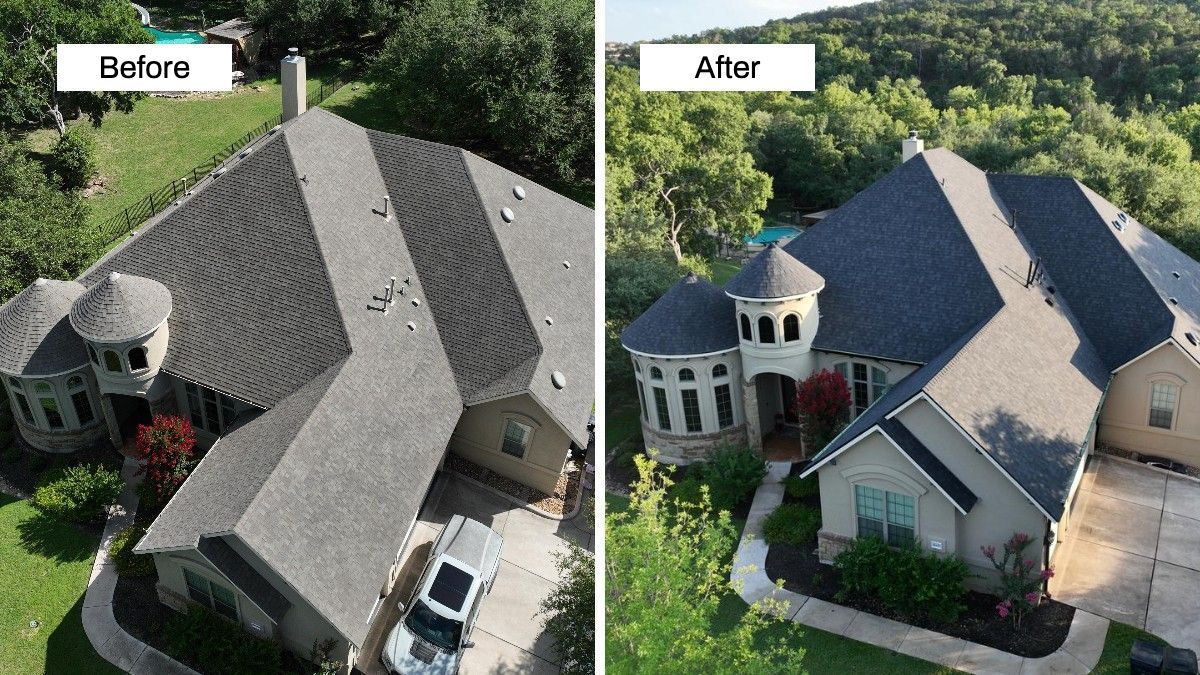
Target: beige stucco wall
{"x": 701, "y": 367}
{"x": 480, "y": 432}
{"x": 793, "y": 359}
{"x": 1126, "y": 411}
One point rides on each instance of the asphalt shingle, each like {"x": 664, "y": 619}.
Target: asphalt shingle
{"x": 774, "y": 273}
{"x": 35, "y": 332}
{"x": 693, "y": 317}
{"x": 120, "y": 307}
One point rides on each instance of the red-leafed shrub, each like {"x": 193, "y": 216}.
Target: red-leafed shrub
{"x": 823, "y": 405}
{"x": 167, "y": 448}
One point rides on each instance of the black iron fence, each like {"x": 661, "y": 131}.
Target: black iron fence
{"x": 124, "y": 222}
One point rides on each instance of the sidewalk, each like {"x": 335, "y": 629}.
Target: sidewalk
{"x": 109, "y": 639}
{"x": 1079, "y": 653}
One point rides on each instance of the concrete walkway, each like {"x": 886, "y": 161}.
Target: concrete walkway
{"x": 109, "y": 639}
{"x": 1079, "y": 654}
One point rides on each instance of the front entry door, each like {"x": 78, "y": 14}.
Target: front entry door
{"x": 787, "y": 388}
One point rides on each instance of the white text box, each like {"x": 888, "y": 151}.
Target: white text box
{"x": 145, "y": 67}
{"x": 728, "y": 67}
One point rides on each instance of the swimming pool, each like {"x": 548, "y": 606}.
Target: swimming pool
{"x": 772, "y": 234}
{"x": 163, "y": 37}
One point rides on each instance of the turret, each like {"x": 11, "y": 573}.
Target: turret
{"x": 123, "y": 319}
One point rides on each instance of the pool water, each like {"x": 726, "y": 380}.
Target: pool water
{"x": 772, "y": 234}
{"x": 163, "y": 37}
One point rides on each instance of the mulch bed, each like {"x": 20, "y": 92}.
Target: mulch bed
{"x": 1041, "y": 633}
{"x": 566, "y": 491}
{"x": 19, "y": 478}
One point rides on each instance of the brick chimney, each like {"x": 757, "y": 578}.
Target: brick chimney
{"x": 911, "y": 147}
{"x": 294, "y": 79}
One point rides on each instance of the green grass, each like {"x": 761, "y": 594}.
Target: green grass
{"x": 1115, "y": 658}
{"x": 621, "y": 423}
{"x": 45, "y": 567}
{"x": 723, "y": 270}
{"x": 163, "y": 138}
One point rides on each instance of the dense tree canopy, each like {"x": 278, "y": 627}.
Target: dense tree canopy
{"x": 30, "y": 31}
{"x": 310, "y": 24}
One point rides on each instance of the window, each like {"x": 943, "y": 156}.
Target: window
{"x": 209, "y": 410}
{"x": 49, "y": 403}
{"x": 724, "y": 405}
{"x": 21, "y": 402}
{"x": 660, "y": 408}
{"x": 766, "y": 330}
{"x": 746, "y": 334}
{"x": 137, "y": 359}
{"x": 92, "y": 355}
{"x": 887, "y": 515}
{"x": 516, "y": 438}
{"x": 1163, "y": 397}
{"x": 720, "y": 370}
{"x": 211, "y": 595}
{"x": 791, "y": 328}
{"x": 112, "y": 362}
{"x": 80, "y": 401}
{"x": 863, "y": 392}
{"x": 637, "y": 366}
{"x": 686, "y": 375}
{"x": 691, "y": 410}
{"x": 642, "y": 400}
{"x": 655, "y": 373}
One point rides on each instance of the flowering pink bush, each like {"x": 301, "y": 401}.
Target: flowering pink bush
{"x": 1020, "y": 588}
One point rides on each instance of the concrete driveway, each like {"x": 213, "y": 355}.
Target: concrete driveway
{"x": 508, "y": 636}
{"x": 1132, "y": 552}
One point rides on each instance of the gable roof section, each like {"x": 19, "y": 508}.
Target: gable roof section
{"x": 902, "y": 279}
{"x": 253, "y": 314}
{"x": 235, "y": 568}
{"x": 774, "y": 274}
{"x": 933, "y": 468}
{"x": 548, "y": 248}
{"x": 694, "y": 317}
{"x": 35, "y": 333}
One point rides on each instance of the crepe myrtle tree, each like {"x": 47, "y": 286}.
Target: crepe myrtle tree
{"x": 166, "y": 448}
{"x": 823, "y": 405}
{"x": 1021, "y": 586}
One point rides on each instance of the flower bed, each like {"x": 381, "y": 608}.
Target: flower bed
{"x": 566, "y": 491}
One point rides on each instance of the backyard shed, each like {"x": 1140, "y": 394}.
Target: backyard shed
{"x": 244, "y": 36}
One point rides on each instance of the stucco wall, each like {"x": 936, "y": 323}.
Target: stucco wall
{"x": 789, "y": 358}
{"x": 480, "y": 432}
{"x": 1126, "y": 413}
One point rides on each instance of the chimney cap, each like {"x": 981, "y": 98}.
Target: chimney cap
{"x": 912, "y": 133}
{"x": 295, "y": 51}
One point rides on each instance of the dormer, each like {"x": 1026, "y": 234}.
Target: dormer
{"x": 123, "y": 320}
{"x": 776, "y": 306}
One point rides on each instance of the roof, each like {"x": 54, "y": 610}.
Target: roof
{"x": 694, "y": 317}
{"x": 774, "y": 274}
{"x": 121, "y": 307}
{"x": 337, "y": 465}
{"x": 234, "y": 29}
{"x": 932, "y": 467}
{"x": 35, "y": 334}
{"x": 235, "y": 568}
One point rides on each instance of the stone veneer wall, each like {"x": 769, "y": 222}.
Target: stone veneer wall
{"x": 68, "y": 440}
{"x": 678, "y": 449}
{"x": 830, "y": 545}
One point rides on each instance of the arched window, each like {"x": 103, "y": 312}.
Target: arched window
{"x": 766, "y": 330}
{"x": 655, "y": 373}
{"x": 92, "y": 355}
{"x": 1164, "y": 396}
{"x": 49, "y": 403}
{"x": 791, "y": 328}
{"x": 746, "y": 334}
{"x": 20, "y": 400}
{"x": 137, "y": 359}
{"x": 720, "y": 370}
{"x": 80, "y": 400}
{"x": 686, "y": 375}
{"x": 112, "y": 361}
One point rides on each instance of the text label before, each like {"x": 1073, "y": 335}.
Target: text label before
{"x": 145, "y": 67}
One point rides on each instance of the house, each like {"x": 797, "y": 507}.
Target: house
{"x": 992, "y": 329}
{"x": 247, "y": 40}
{"x": 335, "y": 311}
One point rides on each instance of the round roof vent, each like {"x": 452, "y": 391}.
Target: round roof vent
{"x": 1191, "y": 338}
{"x": 567, "y": 264}
{"x": 507, "y": 214}
{"x": 416, "y": 302}
{"x": 411, "y": 326}
{"x": 549, "y": 321}
{"x": 558, "y": 379}
{"x": 519, "y": 192}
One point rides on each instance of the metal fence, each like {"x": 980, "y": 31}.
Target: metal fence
{"x": 145, "y": 208}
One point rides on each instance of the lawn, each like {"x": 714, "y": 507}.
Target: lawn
{"x": 723, "y": 270}
{"x": 163, "y": 138}
{"x": 45, "y": 566}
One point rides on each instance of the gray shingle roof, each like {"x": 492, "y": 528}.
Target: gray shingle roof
{"x": 234, "y": 29}
{"x": 244, "y": 576}
{"x": 120, "y": 307}
{"x": 693, "y": 317}
{"x": 929, "y": 463}
{"x": 35, "y": 334}
{"x": 774, "y": 273}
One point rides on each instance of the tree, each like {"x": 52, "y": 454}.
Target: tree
{"x": 310, "y": 24}
{"x": 679, "y": 164}
{"x": 570, "y": 611}
{"x": 30, "y": 32}
{"x": 42, "y": 230}
{"x": 667, "y": 570}
{"x": 823, "y": 405}
{"x": 166, "y": 447}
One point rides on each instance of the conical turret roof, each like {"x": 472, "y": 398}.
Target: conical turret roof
{"x": 774, "y": 273}
{"x": 121, "y": 307}
{"x": 35, "y": 336}
{"x": 694, "y": 317}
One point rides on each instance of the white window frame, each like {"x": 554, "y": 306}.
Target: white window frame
{"x": 726, "y": 381}
{"x": 528, "y": 440}
{"x": 129, "y": 362}
{"x": 226, "y": 408}
{"x": 40, "y": 410}
{"x": 683, "y": 410}
{"x": 104, "y": 361}
{"x": 872, "y": 394}
{"x": 774, "y": 330}
{"x": 783, "y": 326}
{"x": 1170, "y": 381}
{"x": 742, "y": 316}
{"x": 16, "y": 387}
{"x": 72, "y": 391}
{"x": 887, "y": 524}
{"x": 212, "y": 602}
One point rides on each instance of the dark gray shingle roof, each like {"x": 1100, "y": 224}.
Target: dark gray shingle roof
{"x": 120, "y": 307}
{"x": 774, "y": 273}
{"x": 693, "y": 317}
{"x": 35, "y": 333}
{"x": 246, "y": 578}
{"x": 234, "y": 29}
{"x": 929, "y": 463}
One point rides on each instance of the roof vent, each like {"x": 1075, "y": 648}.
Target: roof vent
{"x": 217, "y": 173}
{"x": 411, "y": 326}
{"x": 388, "y": 299}
{"x": 567, "y": 264}
{"x": 42, "y": 282}
{"x": 245, "y": 153}
{"x": 1191, "y": 337}
{"x": 549, "y": 321}
{"x": 560, "y": 380}
{"x": 1175, "y": 274}
{"x": 387, "y": 208}
{"x": 519, "y": 192}
{"x": 507, "y": 214}
{"x": 1173, "y": 301}
{"x": 416, "y": 302}
{"x": 407, "y": 280}
{"x": 1119, "y": 225}
{"x": 691, "y": 278}
{"x": 1050, "y": 301}
{"x": 1122, "y": 216}
{"x": 1050, "y": 290}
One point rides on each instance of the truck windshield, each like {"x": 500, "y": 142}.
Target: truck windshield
{"x": 443, "y": 632}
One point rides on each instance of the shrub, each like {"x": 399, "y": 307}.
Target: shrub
{"x": 203, "y": 636}
{"x": 732, "y": 474}
{"x": 74, "y": 160}
{"x": 823, "y": 405}
{"x": 1020, "y": 587}
{"x": 12, "y": 454}
{"x": 570, "y": 611}
{"x": 802, "y": 488}
{"x": 906, "y": 580}
{"x": 6, "y": 436}
{"x": 794, "y": 524}
{"x": 78, "y": 493}
{"x": 319, "y": 655}
{"x": 687, "y": 491}
{"x": 130, "y": 564}
{"x": 166, "y": 446}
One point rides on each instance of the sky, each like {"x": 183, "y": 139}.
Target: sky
{"x": 632, "y": 20}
